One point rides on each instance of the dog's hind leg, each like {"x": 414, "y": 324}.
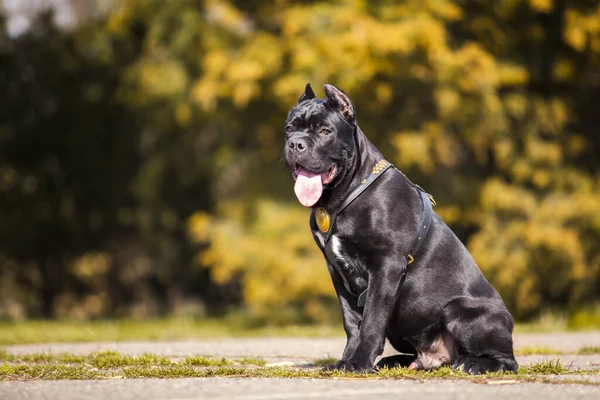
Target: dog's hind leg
{"x": 482, "y": 330}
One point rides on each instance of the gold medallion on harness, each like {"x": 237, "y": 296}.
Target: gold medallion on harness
{"x": 322, "y": 219}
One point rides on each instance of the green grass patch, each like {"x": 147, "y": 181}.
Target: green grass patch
{"x": 530, "y": 373}
{"x": 148, "y": 330}
{"x": 589, "y": 350}
{"x": 113, "y": 365}
{"x": 101, "y": 359}
{"x": 321, "y": 362}
{"x": 111, "y": 359}
{"x": 41, "y": 358}
{"x": 206, "y": 362}
{"x": 548, "y": 367}
{"x": 252, "y": 361}
{"x": 534, "y": 350}
{"x": 50, "y": 372}
{"x": 177, "y": 328}
{"x": 542, "y": 350}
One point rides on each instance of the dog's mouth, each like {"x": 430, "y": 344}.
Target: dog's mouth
{"x": 326, "y": 177}
{"x": 309, "y": 185}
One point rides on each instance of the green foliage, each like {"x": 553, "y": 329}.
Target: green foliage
{"x": 139, "y": 152}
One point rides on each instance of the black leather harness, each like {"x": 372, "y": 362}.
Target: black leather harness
{"x": 427, "y": 212}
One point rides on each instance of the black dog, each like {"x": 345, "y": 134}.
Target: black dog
{"x": 371, "y": 223}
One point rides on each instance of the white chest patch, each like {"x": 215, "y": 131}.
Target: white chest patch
{"x": 336, "y": 247}
{"x": 342, "y": 263}
{"x": 320, "y": 239}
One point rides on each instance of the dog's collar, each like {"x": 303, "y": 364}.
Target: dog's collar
{"x": 325, "y": 221}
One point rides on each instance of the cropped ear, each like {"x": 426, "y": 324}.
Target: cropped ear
{"x": 338, "y": 100}
{"x": 307, "y": 95}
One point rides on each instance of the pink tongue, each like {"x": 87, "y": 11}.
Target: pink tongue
{"x": 308, "y": 187}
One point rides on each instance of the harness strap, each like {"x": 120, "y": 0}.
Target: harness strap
{"x": 427, "y": 212}
{"x": 425, "y": 223}
{"x": 426, "y": 203}
{"x": 378, "y": 171}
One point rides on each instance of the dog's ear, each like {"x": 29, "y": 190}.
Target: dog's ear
{"x": 338, "y": 100}
{"x": 307, "y": 95}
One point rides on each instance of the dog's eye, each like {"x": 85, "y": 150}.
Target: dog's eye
{"x": 324, "y": 131}
{"x": 289, "y": 128}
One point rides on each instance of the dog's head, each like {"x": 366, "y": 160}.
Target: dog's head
{"x": 319, "y": 142}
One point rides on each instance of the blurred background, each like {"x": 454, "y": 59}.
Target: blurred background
{"x": 141, "y": 145}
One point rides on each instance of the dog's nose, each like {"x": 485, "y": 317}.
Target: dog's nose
{"x": 298, "y": 145}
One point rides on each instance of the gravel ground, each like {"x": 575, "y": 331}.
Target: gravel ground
{"x": 278, "y": 347}
{"x": 299, "y": 351}
{"x": 283, "y": 389}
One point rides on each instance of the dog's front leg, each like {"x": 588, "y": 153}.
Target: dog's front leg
{"x": 351, "y": 315}
{"x": 383, "y": 287}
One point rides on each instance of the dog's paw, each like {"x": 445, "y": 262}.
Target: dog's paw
{"x": 330, "y": 367}
{"x": 349, "y": 366}
{"x": 481, "y": 365}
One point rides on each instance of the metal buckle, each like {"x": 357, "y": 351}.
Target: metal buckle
{"x": 411, "y": 259}
{"x": 432, "y": 200}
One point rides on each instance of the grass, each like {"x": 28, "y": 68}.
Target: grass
{"x": 537, "y": 350}
{"x": 321, "y": 362}
{"x": 547, "y": 367}
{"x": 41, "y": 358}
{"x": 113, "y": 359}
{"x": 110, "y": 358}
{"x": 252, "y": 361}
{"x": 54, "y": 331}
{"x": 112, "y": 365}
{"x": 589, "y": 350}
{"x": 49, "y": 372}
{"x": 178, "y": 328}
{"x": 206, "y": 362}
{"x": 543, "y": 350}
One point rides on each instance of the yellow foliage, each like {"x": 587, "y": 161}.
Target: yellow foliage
{"x": 223, "y": 14}
{"x": 499, "y": 196}
{"x": 118, "y": 20}
{"x": 162, "y": 78}
{"x": 542, "y": 233}
{"x": 448, "y": 101}
{"x": 274, "y": 255}
{"x": 543, "y": 153}
{"x": 198, "y": 226}
{"x": 542, "y": 5}
{"x": 451, "y": 87}
{"x": 412, "y": 146}
{"x": 92, "y": 266}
